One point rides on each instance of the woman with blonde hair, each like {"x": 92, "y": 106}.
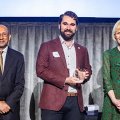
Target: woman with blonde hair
{"x": 111, "y": 78}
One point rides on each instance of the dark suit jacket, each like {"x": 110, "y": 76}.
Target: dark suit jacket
{"x": 12, "y": 83}
{"x": 53, "y": 70}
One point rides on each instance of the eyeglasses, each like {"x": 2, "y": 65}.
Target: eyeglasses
{"x": 3, "y": 34}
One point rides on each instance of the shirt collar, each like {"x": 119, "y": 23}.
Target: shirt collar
{"x": 5, "y": 49}
{"x": 63, "y": 41}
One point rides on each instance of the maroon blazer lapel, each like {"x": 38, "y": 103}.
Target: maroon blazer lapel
{"x": 62, "y": 56}
{"x": 78, "y": 56}
{"x": 61, "y": 52}
{"x": 82, "y": 58}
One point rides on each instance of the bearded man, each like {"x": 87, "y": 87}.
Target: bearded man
{"x": 64, "y": 65}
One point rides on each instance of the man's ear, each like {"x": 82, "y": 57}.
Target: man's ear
{"x": 59, "y": 26}
{"x": 9, "y": 37}
{"x": 76, "y": 29}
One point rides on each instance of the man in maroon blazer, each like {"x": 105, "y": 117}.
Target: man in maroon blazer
{"x": 64, "y": 66}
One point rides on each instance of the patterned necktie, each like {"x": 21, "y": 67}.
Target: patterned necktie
{"x": 1, "y": 62}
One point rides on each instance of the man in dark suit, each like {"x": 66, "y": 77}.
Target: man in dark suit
{"x": 11, "y": 78}
{"x": 64, "y": 66}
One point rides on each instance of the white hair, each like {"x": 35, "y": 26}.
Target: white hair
{"x": 115, "y": 28}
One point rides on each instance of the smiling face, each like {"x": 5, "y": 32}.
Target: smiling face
{"x": 68, "y": 28}
{"x": 117, "y": 37}
{"x": 116, "y": 32}
{"x": 4, "y": 37}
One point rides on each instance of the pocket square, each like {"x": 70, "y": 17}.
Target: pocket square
{"x": 56, "y": 54}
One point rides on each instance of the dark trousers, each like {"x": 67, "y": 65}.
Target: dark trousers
{"x": 70, "y": 111}
{"x": 10, "y": 116}
{"x": 1, "y": 117}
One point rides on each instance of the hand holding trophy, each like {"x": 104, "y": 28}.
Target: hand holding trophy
{"x": 82, "y": 74}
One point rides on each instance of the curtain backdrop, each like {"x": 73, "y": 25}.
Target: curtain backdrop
{"x": 27, "y": 38}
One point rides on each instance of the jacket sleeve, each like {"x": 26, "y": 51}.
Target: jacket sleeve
{"x": 87, "y": 63}
{"x": 16, "y": 94}
{"x": 107, "y": 85}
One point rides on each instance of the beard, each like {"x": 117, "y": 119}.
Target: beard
{"x": 67, "y": 37}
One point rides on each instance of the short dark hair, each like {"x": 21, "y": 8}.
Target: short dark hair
{"x": 70, "y": 14}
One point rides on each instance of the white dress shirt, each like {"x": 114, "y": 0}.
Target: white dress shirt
{"x": 70, "y": 57}
{"x": 4, "y": 56}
